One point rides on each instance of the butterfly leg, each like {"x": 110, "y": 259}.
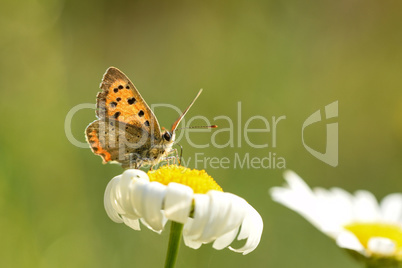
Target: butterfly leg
{"x": 176, "y": 159}
{"x": 173, "y": 157}
{"x": 170, "y": 160}
{"x": 179, "y": 157}
{"x": 134, "y": 161}
{"x": 150, "y": 161}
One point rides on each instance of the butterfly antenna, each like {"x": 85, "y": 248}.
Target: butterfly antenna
{"x": 181, "y": 153}
{"x": 212, "y": 126}
{"x": 184, "y": 113}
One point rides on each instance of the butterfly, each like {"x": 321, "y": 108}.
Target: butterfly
{"x": 127, "y": 131}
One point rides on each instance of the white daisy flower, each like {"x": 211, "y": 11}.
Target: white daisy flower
{"x": 189, "y": 197}
{"x": 356, "y": 222}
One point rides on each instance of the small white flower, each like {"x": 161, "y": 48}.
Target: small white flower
{"x": 208, "y": 215}
{"x": 356, "y": 222}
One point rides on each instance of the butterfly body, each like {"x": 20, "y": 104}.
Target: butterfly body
{"x": 127, "y": 131}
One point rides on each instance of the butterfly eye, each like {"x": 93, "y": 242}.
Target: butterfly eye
{"x": 167, "y": 136}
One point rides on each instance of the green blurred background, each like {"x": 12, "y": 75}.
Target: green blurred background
{"x": 277, "y": 57}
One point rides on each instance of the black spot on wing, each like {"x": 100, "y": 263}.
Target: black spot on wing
{"x": 131, "y": 100}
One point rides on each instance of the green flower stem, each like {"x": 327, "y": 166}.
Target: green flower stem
{"x": 174, "y": 243}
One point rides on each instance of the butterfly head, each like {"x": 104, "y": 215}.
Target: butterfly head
{"x": 168, "y": 137}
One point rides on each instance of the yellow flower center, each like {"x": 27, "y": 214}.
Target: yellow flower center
{"x": 365, "y": 231}
{"x": 198, "y": 180}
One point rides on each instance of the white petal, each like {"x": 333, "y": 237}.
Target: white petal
{"x": 116, "y": 196}
{"x": 236, "y": 214}
{"x": 284, "y": 196}
{"x": 144, "y": 222}
{"x": 333, "y": 209}
{"x": 191, "y": 243}
{"x": 152, "y": 200}
{"x": 137, "y": 190}
{"x": 366, "y": 208}
{"x": 188, "y": 240}
{"x": 298, "y": 197}
{"x": 344, "y": 211}
{"x": 323, "y": 206}
{"x": 382, "y": 246}
{"x": 391, "y": 208}
{"x": 123, "y": 189}
{"x": 348, "y": 240}
{"x": 251, "y": 229}
{"x": 193, "y": 229}
{"x": 134, "y": 174}
{"x": 299, "y": 202}
{"x": 296, "y": 183}
{"x": 219, "y": 211}
{"x": 236, "y": 211}
{"x": 134, "y": 224}
{"x": 225, "y": 240}
{"x": 178, "y": 202}
{"x": 109, "y": 201}
{"x": 296, "y": 194}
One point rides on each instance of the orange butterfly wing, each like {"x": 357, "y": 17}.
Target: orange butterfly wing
{"x": 121, "y": 101}
{"x": 123, "y": 116}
